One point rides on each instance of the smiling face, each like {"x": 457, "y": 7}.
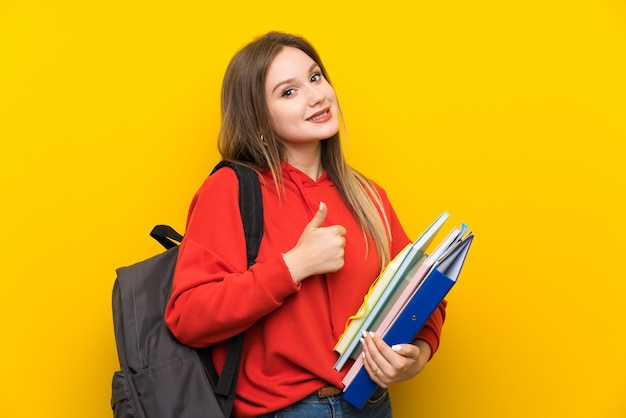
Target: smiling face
{"x": 302, "y": 104}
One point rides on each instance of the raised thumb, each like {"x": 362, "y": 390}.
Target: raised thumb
{"x": 319, "y": 217}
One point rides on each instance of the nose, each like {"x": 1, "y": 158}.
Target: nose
{"x": 316, "y": 95}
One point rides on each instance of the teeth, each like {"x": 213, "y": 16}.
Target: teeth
{"x": 318, "y": 116}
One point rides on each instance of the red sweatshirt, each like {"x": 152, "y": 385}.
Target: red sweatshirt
{"x": 290, "y": 330}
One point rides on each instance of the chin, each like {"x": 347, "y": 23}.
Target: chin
{"x": 331, "y": 133}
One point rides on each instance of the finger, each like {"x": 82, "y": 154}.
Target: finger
{"x": 383, "y": 351}
{"x": 407, "y": 350}
{"x": 395, "y": 356}
{"x": 319, "y": 218}
{"x": 391, "y": 359}
{"x": 338, "y": 238}
{"x": 375, "y": 364}
{"x": 368, "y": 363}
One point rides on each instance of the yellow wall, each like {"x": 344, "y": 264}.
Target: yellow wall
{"x": 509, "y": 115}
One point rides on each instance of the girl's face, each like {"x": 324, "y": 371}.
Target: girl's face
{"x": 302, "y": 104}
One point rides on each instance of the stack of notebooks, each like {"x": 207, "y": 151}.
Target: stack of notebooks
{"x": 401, "y": 300}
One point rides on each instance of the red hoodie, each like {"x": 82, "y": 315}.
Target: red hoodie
{"x": 290, "y": 330}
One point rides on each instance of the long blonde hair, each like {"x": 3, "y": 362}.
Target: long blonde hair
{"x": 246, "y": 135}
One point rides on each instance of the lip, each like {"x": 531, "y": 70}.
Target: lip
{"x": 321, "y": 116}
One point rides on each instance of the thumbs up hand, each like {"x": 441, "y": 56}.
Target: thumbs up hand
{"x": 319, "y": 249}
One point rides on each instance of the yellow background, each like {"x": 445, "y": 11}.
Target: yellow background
{"x": 509, "y": 115}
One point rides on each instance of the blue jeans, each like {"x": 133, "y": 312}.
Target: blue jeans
{"x": 378, "y": 406}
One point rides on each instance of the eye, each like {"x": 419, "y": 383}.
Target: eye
{"x": 288, "y": 93}
{"x": 315, "y": 77}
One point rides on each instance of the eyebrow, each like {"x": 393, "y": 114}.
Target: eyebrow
{"x": 290, "y": 80}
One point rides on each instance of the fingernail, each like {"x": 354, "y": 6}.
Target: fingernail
{"x": 371, "y": 334}
{"x": 365, "y": 333}
{"x": 362, "y": 341}
{"x": 396, "y": 347}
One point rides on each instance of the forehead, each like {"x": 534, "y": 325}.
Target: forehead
{"x": 289, "y": 63}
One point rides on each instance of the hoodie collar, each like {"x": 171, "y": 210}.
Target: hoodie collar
{"x": 299, "y": 177}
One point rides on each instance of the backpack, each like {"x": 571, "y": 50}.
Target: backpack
{"x": 159, "y": 376}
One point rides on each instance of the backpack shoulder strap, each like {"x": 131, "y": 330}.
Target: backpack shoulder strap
{"x": 251, "y": 209}
{"x": 250, "y": 206}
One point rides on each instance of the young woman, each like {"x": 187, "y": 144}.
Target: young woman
{"x": 328, "y": 231}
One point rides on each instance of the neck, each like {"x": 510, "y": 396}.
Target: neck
{"x": 312, "y": 168}
{"x": 308, "y": 160}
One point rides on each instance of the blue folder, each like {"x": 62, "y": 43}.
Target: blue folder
{"x": 414, "y": 315}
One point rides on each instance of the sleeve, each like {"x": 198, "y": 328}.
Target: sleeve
{"x": 214, "y": 295}
{"x": 431, "y": 331}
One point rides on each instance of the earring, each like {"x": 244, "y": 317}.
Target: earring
{"x": 263, "y": 141}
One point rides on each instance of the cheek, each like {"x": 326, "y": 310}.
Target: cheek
{"x": 281, "y": 121}
{"x": 330, "y": 93}
{"x": 284, "y": 114}
{"x": 276, "y": 116}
